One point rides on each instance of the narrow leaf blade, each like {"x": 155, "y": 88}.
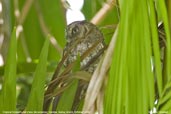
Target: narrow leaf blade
{"x": 35, "y": 102}
{"x": 9, "y": 85}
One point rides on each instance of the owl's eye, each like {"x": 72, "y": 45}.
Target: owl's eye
{"x": 75, "y": 30}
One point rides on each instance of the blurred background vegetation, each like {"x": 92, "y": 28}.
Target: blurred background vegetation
{"x": 38, "y": 20}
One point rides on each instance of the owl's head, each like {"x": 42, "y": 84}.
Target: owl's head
{"x": 78, "y": 29}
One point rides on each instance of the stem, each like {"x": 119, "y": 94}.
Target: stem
{"x": 6, "y": 26}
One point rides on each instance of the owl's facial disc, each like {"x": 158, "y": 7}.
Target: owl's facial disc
{"x": 75, "y": 30}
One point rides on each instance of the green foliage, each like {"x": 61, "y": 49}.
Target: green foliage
{"x": 131, "y": 80}
{"x": 37, "y": 91}
{"x": 90, "y": 8}
{"x": 40, "y": 21}
{"x": 8, "y": 95}
{"x": 164, "y": 16}
{"x": 165, "y": 99}
{"x": 67, "y": 98}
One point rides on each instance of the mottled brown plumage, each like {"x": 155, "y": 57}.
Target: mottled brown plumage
{"x": 81, "y": 36}
{"x": 84, "y": 39}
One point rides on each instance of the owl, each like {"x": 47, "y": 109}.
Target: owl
{"x": 83, "y": 39}
{"x": 86, "y": 40}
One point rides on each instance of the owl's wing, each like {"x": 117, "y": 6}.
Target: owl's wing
{"x": 65, "y": 49}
